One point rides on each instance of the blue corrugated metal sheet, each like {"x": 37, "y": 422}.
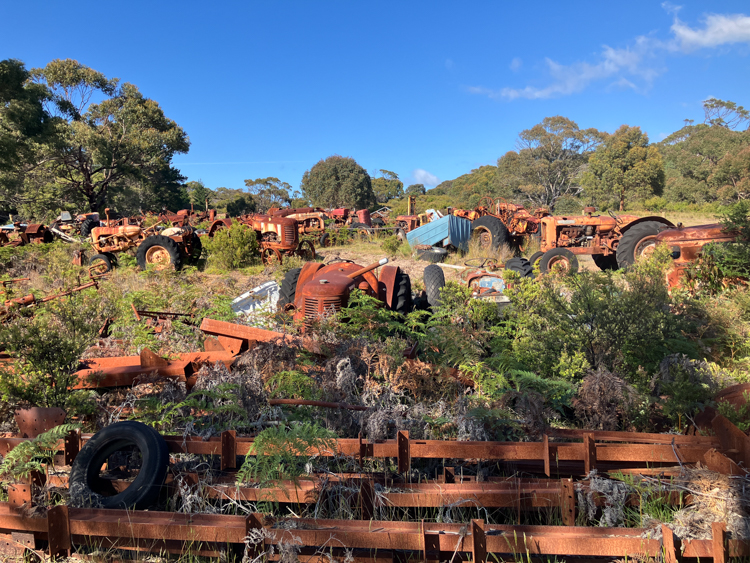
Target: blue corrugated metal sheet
{"x": 451, "y": 230}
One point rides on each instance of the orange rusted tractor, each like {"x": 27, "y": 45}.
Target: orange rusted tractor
{"x": 316, "y": 291}
{"x": 159, "y": 249}
{"x": 277, "y": 236}
{"x": 613, "y": 241}
{"x": 21, "y": 234}
{"x": 310, "y": 221}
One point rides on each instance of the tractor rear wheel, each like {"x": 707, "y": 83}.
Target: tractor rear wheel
{"x": 434, "y": 281}
{"x": 558, "y": 258}
{"x": 160, "y": 252}
{"x": 604, "y": 263}
{"x": 635, "y": 241}
{"x": 521, "y": 266}
{"x": 402, "y": 302}
{"x": 101, "y": 262}
{"x": 87, "y": 225}
{"x": 288, "y": 290}
{"x": 535, "y": 257}
{"x": 491, "y": 233}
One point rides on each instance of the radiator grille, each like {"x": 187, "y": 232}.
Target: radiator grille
{"x": 324, "y": 307}
{"x": 290, "y": 235}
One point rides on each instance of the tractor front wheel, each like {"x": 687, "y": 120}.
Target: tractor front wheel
{"x": 306, "y": 250}
{"x": 100, "y": 264}
{"x": 159, "y": 252}
{"x": 558, "y": 258}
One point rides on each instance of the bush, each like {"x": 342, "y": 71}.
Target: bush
{"x": 233, "y": 248}
{"x": 390, "y": 245}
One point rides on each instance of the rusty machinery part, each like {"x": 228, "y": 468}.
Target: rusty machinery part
{"x": 432, "y": 254}
{"x": 486, "y": 263}
{"x": 159, "y": 252}
{"x": 490, "y": 232}
{"x": 363, "y": 231}
{"x": 100, "y": 264}
{"x": 306, "y": 250}
{"x": 636, "y": 240}
{"x": 271, "y": 256}
{"x": 434, "y": 282}
{"x": 558, "y": 258}
{"x": 85, "y": 474}
{"x": 218, "y": 225}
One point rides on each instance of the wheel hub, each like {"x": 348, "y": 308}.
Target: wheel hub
{"x": 158, "y": 256}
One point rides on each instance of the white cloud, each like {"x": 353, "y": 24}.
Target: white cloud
{"x": 634, "y": 66}
{"x": 423, "y": 177}
{"x": 718, "y": 30}
{"x": 516, "y": 64}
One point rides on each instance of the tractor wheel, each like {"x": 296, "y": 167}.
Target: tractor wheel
{"x": 434, "y": 254}
{"x": 521, "y": 266}
{"x": 101, "y": 262}
{"x": 434, "y": 281}
{"x": 604, "y": 263}
{"x": 558, "y": 258}
{"x": 87, "y": 225}
{"x": 159, "y": 251}
{"x": 362, "y": 231}
{"x": 288, "y": 290}
{"x": 325, "y": 240}
{"x": 402, "y": 302}
{"x": 490, "y": 232}
{"x": 635, "y": 241}
{"x": 197, "y": 250}
{"x": 270, "y": 257}
{"x": 535, "y": 257}
{"x": 112, "y": 258}
{"x": 378, "y": 222}
{"x": 306, "y": 250}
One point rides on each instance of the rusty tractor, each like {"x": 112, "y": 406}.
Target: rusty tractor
{"x": 310, "y": 222}
{"x": 686, "y": 244}
{"x": 21, "y": 234}
{"x": 317, "y": 291}
{"x": 187, "y": 217}
{"x": 67, "y": 226}
{"x": 158, "y": 249}
{"x": 484, "y": 276}
{"x": 496, "y": 223}
{"x": 277, "y": 236}
{"x": 613, "y": 241}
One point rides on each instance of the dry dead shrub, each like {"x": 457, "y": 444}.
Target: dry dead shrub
{"x": 105, "y": 348}
{"x": 604, "y": 401}
{"x": 529, "y": 408}
{"x": 250, "y": 396}
{"x": 267, "y": 359}
{"x": 693, "y": 372}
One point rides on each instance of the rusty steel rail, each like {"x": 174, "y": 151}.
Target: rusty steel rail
{"x": 65, "y": 529}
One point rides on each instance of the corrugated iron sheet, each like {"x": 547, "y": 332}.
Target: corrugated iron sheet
{"x": 455, "y": 231}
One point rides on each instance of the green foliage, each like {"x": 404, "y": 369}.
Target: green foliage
{"x": 268, "y": 192}
{"x": 415, "y": 189}
{"x": 241, "y": 206}
{"x": 199, "y": 194}
{"x": 624, "y": 167}
{"x": 387, "y": 186}
{"x": 737, "y": 415}
{"x": 338, "y": 181}
{"x": 281, "y": 453}
{"x": 32, "y": 455}
{"x": 232, "y": 248}
{"x": 48, "y": 347}
{"x": 293, "y": 385}
{"x": 365, "y": 316}
{"x": 391, "y": 245}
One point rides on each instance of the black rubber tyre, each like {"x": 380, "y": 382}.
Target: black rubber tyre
{"x": 325, "y": 240}
{"x": 433, "y": 255}
{"x": 143, "y": 492}
{"x": 605, "y": 262}
{"x": 87, "y": 225}
{"x": 288, "y": 290}
{"x": 631, "y": 241}
{"x": 521, "y": 266}
{"x": 557, "y": 255}
{"x": 535, "y": 257}
{"x": 153, "y": 244}
{"x": 112, "y": 258}
{"x": 378, "y": 222}
{"x": 492, "y": 230}
{"x": 197, "y": 249}
{"x": 402, "y": 301}
{"x": 434, "y": 281}
{"x": 103, "y": 261}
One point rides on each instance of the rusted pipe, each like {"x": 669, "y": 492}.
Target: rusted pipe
{"x": 371, "y": 267}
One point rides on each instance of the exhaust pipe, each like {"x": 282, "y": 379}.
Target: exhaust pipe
{"x": 369, "y": 268}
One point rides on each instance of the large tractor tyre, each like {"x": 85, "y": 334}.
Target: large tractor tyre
{"x": 378, "y": 222}
{"x": 434, "y": 255}
{"x": 535, "y": 257}
{"x": 558, "y": 258}
{"x": 491, "y": 233}
{"x": 88, "y": 488}
{"x": 87, "y": 225}
{"x": 160, "y": 251}
{"x": 604, "y": 263}
{"x": 434, "y": 281}
{"x": 288, "y": 290}
{"x": 635, "y": 240}
{"x": 102, "y": 263}
{"x": 402, "y": 301}
{"x": 521, "y": 266}
{"x": 197, "y": 249}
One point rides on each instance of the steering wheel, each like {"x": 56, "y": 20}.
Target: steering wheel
{"x": 615, "y": 217}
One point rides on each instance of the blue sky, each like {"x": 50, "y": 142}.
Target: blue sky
{"x": 428, "y": 90}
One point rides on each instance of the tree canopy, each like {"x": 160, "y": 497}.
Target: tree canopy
{"x": 624, "y": 167}
{"x": 338, "y": 181}
{"x": 415, "y": 189}
{"x": 387, "y": 186}
{"x": 269, "y": 192}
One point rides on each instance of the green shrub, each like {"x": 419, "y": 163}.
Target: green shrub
{"x": 232, "y": 248}
{"x": 391, "y": 245}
